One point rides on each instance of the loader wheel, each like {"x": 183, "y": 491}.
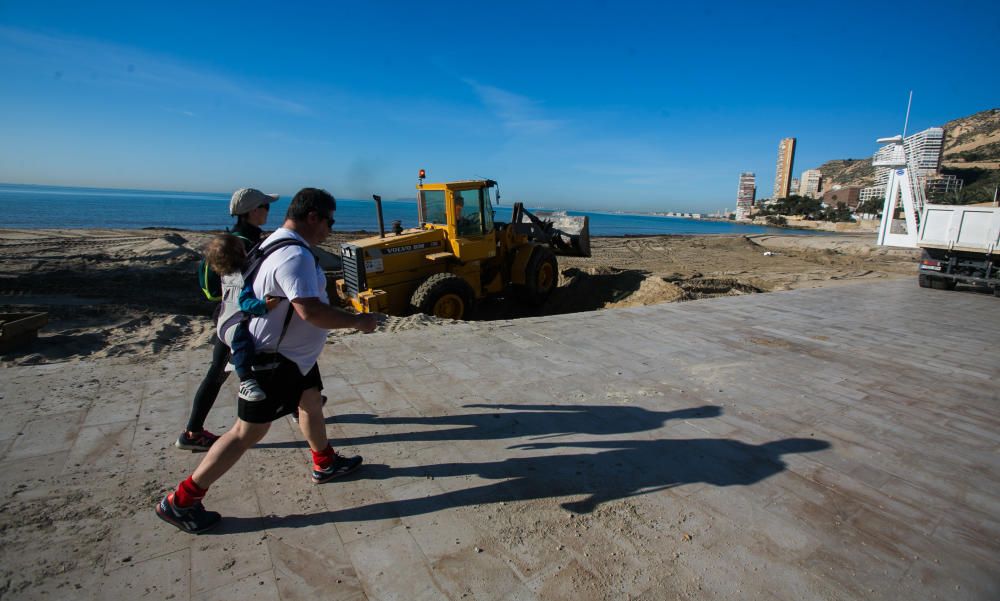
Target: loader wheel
{"x": 541, "y": 276}
{"x": 443, "y": 295}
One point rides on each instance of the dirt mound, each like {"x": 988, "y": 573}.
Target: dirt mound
{"x": 622, "y": 288}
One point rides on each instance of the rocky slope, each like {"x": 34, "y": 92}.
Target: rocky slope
{"x": 973, "y": 141}
{"x": 848, "y": 172}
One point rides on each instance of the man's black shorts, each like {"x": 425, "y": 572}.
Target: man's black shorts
{"x": 283, "y": 385}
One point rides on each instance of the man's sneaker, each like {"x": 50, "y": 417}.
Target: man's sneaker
{"x": 295, "y": 414}
{"x": 340, "y": 466}
{"x": 194, "y": 519}
{"x": 198, "y": 441}
{"x": 250, "y": 390}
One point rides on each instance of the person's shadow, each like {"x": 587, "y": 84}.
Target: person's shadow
{"x": 620, "y": 469}
{"x": 514, "y": 421}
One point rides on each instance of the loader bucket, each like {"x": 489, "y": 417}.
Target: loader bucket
{"x": 568, "y": 235}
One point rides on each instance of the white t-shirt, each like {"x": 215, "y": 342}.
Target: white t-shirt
{"x": 291, "y": 272}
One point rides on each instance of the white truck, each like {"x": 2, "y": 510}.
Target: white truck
{"x": 961, "y": 245}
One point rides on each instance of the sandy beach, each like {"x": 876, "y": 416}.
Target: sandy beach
{"x": 133, "y": 292}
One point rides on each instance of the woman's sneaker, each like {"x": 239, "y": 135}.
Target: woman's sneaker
{"x": 340, "y": 466}
{"x": 196, "y": 441}
{"x": 194, "y": 519}
{"x": 250, "y": 390}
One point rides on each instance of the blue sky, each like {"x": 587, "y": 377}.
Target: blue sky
{"x": 586, "y": 105}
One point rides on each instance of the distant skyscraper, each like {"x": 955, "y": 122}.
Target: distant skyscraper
{"x": 794, "y": 188}
{"x": 810, "y": 182}
{"x": 783, "y": 172}
{"x": 745, "y": 195}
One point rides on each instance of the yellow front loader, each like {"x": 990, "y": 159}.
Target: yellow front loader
{"x": 458, "y": 254}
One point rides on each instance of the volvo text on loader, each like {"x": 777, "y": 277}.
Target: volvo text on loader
{"x": 458, "y": 254}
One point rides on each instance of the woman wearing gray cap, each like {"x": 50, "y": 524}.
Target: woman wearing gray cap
{"x": 250, "y": 207}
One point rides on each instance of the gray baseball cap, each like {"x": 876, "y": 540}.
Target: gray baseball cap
{"x": 245, "y": 200}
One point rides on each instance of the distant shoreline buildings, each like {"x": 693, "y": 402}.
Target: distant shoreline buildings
{"x": 745, "y": 195}
{"x": 810, "y": 182}
{"x": 678, "y": 214}
{"x": 924, "y": 151}
{"x": 783, "y": 171}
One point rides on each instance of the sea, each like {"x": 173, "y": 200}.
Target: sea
{"x": 24, "y": 206}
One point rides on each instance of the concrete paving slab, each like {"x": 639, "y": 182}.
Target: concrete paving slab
{"x": 837, "y": 444}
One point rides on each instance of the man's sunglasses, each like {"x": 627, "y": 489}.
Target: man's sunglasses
{"x": 266, "y": 206}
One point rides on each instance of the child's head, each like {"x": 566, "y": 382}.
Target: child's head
{"x": 225, "y": 254}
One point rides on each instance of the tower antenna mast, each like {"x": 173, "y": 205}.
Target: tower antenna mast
{"x": 907, "y": 120}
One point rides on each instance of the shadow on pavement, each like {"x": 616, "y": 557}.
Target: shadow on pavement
{"x": 512, "y": 421}
{"x": 599, "y": 470}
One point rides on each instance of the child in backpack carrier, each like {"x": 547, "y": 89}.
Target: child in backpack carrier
{"x": 226, "y": 256}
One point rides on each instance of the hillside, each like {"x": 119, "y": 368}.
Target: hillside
{"x": 971, "y": 153}
{"x": 848, "y": 172}
{"x": 973, "y": 141}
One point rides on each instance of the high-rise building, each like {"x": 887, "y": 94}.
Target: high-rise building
{"x": 783, "y": 172}
{"x": 794, "y": 187}
{"x": 923, "y": 157}
{"x": 809, "y": 183}
{"x": 745, "y": 195}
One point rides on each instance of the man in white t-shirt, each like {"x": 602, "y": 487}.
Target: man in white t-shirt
{"x": 288, "y": 340}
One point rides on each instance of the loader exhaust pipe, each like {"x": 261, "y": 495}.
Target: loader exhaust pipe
{"x": 378, "y": 209}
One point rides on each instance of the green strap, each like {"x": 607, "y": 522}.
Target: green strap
{"x": 204, "y": 288}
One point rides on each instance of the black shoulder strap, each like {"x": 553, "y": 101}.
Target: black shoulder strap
{"x": 257, "y": 254}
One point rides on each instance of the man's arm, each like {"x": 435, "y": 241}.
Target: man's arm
{"x": 324, "y": 316}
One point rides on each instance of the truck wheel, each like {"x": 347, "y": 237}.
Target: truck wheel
{"x": 929, "y": 281}
{"x": 541, "y": 276}
{"x": 443, "y": 295}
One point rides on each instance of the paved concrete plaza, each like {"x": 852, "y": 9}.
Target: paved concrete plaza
{"x": 837, "y": 443}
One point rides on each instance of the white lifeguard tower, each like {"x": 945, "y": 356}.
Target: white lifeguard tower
{"x": 902, "y": 192}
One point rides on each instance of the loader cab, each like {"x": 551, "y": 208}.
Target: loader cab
{"x": 464, "y": 211}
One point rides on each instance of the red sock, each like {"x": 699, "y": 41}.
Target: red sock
{"x": 323, "y": 458}
{"x": 188, "y": 493}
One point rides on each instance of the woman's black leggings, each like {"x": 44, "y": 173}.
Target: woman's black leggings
{"x": 210, "y": 386}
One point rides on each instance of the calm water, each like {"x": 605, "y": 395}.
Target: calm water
{"x": 37, "y": 207}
